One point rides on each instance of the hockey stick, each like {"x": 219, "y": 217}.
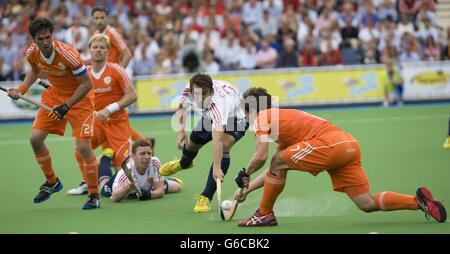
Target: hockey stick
{"x": 29, "y": 100}
{"x": 227, "y": 215}
{"x": 219, "y": 196}
{"x": 46, "y": 86}
{"x": 127, "y": 172}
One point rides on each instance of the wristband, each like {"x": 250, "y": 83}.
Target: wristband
{"x": 113, "y": 107}
{"x": 22, "y": 89}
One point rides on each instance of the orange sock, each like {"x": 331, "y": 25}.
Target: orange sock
{"x": 273, "y": 186}
{"x": 135, "y": 135}
{"x": 45, "y": 162}
{"x": 80, "y": 162}
{"x": 91, "y": 174}
{"x": 390, "y": 201}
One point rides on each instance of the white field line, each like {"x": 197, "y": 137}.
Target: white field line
{"x": 390, "y": 119}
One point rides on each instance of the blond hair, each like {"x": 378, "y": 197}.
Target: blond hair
{"x": 99, "y": 37}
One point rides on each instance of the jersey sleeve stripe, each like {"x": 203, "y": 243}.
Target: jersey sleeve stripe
{"x": 124, "y": 76}
{"x": 118, "y": 38}
{"x": 68, "y": 58}
{"x": 31, "y": 50}
{"x": 216, "y": 113}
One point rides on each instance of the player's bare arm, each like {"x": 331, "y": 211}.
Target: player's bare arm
{"x": 125, "y": 57}
{"x": 120, "y": 192}
{"x": 255, "y": 184}
{"x": 29, "y": 79}
{"x": 128, "y": 98}
{"x": 259, "y": 158}
{"x": 82, "y": 90}
{"x": 158, "y": 190}
{"x": 217, "y": 137}
{"x": 181, "y": 138}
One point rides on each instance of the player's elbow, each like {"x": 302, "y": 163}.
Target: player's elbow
{"x": 133, "y": 97}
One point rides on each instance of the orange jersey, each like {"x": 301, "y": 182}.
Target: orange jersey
{"x": 116, "y": 44}
{"x": 109, "y": 85}
{"x": 290, "y": 126}
{"x": 62, "y": 68}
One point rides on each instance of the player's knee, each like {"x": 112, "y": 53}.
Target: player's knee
{"x": 176, "y": 188}
{"x": 367, "y": 207}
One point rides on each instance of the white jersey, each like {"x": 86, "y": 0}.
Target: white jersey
{"x": 225, "y": 104}
{"x": 144, "y": 181}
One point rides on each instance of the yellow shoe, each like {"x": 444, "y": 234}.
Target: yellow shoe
{"x": 171, "y": 167}
{"x": 446, "y": 143}
{"x": 203, "y": 204}
{"x": 108, "y": 152}
{"x": 178, "y": 180}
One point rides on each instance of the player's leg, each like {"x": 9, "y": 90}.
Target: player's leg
{"x": 43, "y": 158}
{"x": 83, "y": 146}
{"x": 204, "y": 200}
{"x": 172, "y": 185}
{"x": 447, "y": 140}
{"x": 81, "y": 119}
{"x": 234, "y": 131}
{"x": 118, "y": 137}
{"x": 42, "y": 126}
{"x": 274, "y": 183}
{"x": 199, "y": 137}
{"x": 96, "y": 140}
{"x": 392, "y": 201}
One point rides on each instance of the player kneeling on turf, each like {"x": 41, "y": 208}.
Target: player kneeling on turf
{"x": 145, "y": 172}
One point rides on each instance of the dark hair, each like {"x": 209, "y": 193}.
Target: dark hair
{"x": 257, "y": 97}
{"x": 99, "y": 8}
{"x": 40, "y": 24}
{"x": 140, "y": 143}
{"x": 203, "y": 81}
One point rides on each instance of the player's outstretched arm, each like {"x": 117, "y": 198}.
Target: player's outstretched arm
{"x": 255, "y": 184}
{"x": 180, "y": 120}
{"x": 259, "y": 158}
{"x": 119, "y": 192}
{"x": 217, "y": 137}
{"x": 28, "y": 80}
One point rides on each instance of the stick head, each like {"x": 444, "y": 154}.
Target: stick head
{"x": 227, "y": 214}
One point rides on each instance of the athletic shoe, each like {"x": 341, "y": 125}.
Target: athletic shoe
{"x": 446, "y": 143}
{"x": 171, "y": 167}
{"x": 178, "y": 180}
{"x": 430, "y": 206}
{"x": 46, "y": 190}
{"x": 92, "y": 203}
{"x": 259, "y": 220}
{"x": 203, "y": 204}
{"x": 80, "y": 190}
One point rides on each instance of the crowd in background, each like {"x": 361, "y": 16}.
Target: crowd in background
{"x": 175, "y": 36}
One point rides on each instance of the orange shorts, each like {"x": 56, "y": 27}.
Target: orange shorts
{"x": 337, "y": 153}
{"x": 80, "y": 117}
{"x": 117, "y": 135}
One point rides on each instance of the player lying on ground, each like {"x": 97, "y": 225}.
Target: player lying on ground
{"x": 223, "y": 122}
{"x": 311, "y": 144}
{"x": 72, "y": 101}
{"x": 145, "y": 172}
{"x": 113, "y": 92}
